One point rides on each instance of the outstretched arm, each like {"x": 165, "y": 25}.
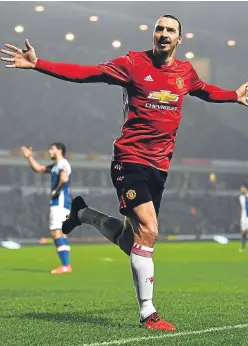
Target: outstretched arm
{"x": 112, "y": 72}
{"x": 212, "y": 93}
{"x": 70, "y": 72}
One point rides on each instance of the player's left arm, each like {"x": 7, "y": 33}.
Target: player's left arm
{"x": 63, "y": 179}
{"x": 212, "y": 93}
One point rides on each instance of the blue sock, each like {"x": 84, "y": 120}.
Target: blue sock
{"x": 62, "y": 250}
{"x": 67, "y": 252}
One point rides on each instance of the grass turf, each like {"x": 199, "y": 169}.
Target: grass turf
{"x": 198, "y": 286}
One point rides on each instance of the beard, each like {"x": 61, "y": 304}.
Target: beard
{"x": 164, "y": 51}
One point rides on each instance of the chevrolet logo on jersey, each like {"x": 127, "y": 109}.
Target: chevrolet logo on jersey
{"x": 164, "y": 96}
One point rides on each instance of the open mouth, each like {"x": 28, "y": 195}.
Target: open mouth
{"x": 164, "y": 43}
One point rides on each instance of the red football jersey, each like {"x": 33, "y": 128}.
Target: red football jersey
{"x": 153, "y": 98}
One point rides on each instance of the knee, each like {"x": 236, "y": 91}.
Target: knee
{"x": 55, "y": 233}
{"x": 149, "y": 231}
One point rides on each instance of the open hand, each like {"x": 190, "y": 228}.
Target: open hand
{"x": 20, "y": 58}
{"x": 27, "y": 151}
{"x": 242, "y": 93}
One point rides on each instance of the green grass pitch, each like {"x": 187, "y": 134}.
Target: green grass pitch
{"x": 198, "y": 286}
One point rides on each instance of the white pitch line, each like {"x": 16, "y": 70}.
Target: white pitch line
{"x": 164, "y": 336}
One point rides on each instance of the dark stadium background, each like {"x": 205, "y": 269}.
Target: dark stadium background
{"x": 36, "y": 110}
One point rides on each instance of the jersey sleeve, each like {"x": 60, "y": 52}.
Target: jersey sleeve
{"x": 118, "y": 70}
{"x": 208, "y": 92}
{"x": 49, "y": 168}
{"x": 64, "y": 166}
{"x": 195, "y": 82}
{"x": 70, "y": 72}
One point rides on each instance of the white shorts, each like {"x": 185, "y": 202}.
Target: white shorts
{"x": 57, "y": 216}
{"x": 244, "y": 223}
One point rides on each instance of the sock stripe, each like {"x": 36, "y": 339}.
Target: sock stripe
{"x": 63, "y": 248}
{"x": 141, "y": 250}
{"x": 142, "y": 253}
{"x": 142, "y": 247}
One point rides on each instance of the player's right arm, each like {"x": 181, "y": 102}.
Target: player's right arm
{"x": 28, "y": 154}
{"x": 116, "y": 71}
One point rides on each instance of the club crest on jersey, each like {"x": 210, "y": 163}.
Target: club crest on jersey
{"x": 180, "y": 82}
{"x": 131, "y": 194}
{"x": 164, "y": 96}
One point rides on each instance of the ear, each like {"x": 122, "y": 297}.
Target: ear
{"x": 179, "y": 40}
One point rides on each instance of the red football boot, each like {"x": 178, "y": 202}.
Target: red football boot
{"x": 155, "y": 322}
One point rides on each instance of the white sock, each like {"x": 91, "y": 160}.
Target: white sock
{"x": 135, "y": 281}
{"x": 143, "y": 277}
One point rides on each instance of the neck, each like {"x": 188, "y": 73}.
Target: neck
{"x": 59, "y": 158}
{"x": 166, "y": 58}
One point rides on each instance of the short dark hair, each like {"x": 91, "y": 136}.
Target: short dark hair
{"x": 245, "y": 184}
{"x": 60, "y": 146}
{"x": 179, "y": 24}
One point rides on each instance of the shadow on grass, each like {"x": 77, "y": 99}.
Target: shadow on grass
{"x": 32, "y": 270}
{"x": 75, "y": 317}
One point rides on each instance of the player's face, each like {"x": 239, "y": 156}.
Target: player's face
{"x": 243, "y": 189}
{"x": 166, "y": 35}
{"x": 52, "y": 152}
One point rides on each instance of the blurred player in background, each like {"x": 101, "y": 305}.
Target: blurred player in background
{"x": 155, "y": 84}
{"x": 243, "y": 199}
{"x": 60, "y": 172}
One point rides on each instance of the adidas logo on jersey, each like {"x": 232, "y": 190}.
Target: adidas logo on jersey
{"x": 148, "y": 78}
